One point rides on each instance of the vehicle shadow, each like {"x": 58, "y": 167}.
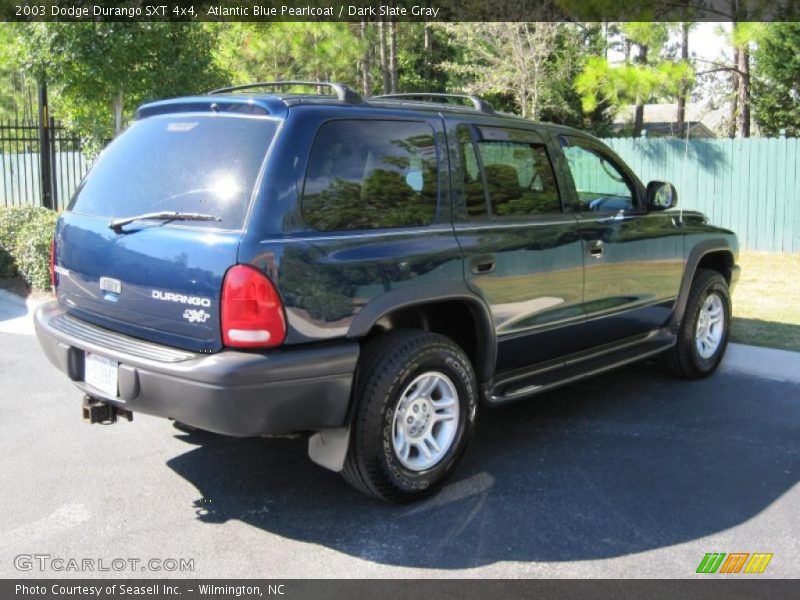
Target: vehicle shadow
{"x": 623, "y": 463}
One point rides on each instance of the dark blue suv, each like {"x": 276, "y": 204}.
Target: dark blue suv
{"x": 372, "y": 272}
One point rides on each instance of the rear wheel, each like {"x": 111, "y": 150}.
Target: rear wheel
{"x": 703, "y": 334}
{"x": 415, "y": 410}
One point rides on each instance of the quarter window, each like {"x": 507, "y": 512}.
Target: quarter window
{"x": 371, "y": 174}
{"x": 600, "y": 185}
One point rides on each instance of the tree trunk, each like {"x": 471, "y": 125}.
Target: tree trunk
{"x": 684, "y": 88}
{"x": 387, "y": 82}
{"x": 118, "y": 106}
{"x": 638, "y": 111}
{"x": 366, "y": 62}
{"x": 393, "y": 57}
{"x": 427, "y": 36}
{"x": 734, "y": 96}
{"x": 743, "y": 97}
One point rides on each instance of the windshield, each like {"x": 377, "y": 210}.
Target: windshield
{"x": 196, "y": 164}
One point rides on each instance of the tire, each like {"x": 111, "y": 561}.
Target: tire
{"x": 690, "y": 359}
{"x": 394, "y": 368}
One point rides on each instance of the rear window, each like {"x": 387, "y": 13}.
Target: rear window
{"x": 371, "y": 174}
{"x": 204, "y": 164}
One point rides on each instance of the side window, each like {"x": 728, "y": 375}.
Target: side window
{"x": 601, "y": 186}
{"x": 370, "y": 174}
{"x": 519, "y": 178}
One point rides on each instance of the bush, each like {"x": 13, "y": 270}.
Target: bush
{"x": 26, "y": 233}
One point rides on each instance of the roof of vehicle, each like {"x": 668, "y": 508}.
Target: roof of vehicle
{"x": 242, "y": 100}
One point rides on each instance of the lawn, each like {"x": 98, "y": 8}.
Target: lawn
{"x": 766, "y": 301}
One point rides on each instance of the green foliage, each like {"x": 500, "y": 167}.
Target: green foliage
{"x": 601, "y": 83}
{"x": 574, "y": 44}
{"x": 26, "y": 233}
{"x": 421, "y": 70}
{"x": 292, "y": 50}
{"x": 16, "y": 91}
{"x": 508, "y": 59}
{"x": 776, "y": 85}
{"x": 652, "y": 75}
{"x": 100, "y": 72}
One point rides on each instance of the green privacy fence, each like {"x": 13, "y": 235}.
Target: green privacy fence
{"x": 751, "y": 186}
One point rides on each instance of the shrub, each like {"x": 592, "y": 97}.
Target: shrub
{"x": 26, "y": 233}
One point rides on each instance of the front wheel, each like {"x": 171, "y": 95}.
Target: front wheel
{"x": 415, "y": 410}
{"x": 703, "y": 334}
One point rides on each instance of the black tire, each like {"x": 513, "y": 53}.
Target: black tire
{"x": 684, "y": 359}
{"x": 389, "y": 364}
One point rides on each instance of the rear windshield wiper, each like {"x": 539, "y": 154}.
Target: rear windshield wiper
{"x": 118, "y": 224}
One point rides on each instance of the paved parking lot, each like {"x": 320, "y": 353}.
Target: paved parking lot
{"x": 629, "y": 475}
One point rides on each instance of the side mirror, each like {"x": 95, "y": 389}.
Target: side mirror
{"x": 661, "y": 195}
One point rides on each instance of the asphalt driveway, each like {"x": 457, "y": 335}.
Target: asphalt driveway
{"x": 632, "y": 474}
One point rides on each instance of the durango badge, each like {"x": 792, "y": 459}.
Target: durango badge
{"x": 181, "y": 298}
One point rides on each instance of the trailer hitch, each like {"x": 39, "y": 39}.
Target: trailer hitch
{"x": 97, "y": 411}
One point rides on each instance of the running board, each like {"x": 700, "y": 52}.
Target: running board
{"x": 546, "y": 376}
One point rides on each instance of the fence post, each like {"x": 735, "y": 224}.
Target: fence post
{"x": 45, "y": 162}
{"x": 54, "y": 165}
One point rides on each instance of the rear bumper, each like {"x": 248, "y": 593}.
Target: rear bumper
{"x": 230, "y": 392}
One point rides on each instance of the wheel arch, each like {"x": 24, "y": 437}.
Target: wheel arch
{"x": 442, "y": 309}
{"x": 716, "y": 255}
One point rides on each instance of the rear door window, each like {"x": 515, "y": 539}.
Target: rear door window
{"x": 195, "y": 163}
{"x": 368, "y": 174}
{"x": 510, "y": 172}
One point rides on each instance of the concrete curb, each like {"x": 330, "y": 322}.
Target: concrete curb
{"x": 767, "y": 363}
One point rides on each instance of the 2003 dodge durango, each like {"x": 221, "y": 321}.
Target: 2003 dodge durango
{"x": 372, "y": 272}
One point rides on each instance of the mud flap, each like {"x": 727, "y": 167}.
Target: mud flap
{"x": 328, "y": 448}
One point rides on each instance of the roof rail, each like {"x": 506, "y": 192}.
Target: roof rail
{"x": 343, "y": 93}
{"x": 477, "y": 103}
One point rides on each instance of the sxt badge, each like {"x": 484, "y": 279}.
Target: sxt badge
{"x": 195, "y": 316}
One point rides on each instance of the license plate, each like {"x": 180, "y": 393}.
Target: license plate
{"x": 101, "y": 373}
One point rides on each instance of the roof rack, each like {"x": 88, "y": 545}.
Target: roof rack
{"x": 477, "y": 103}
{"x": 343, "y": 93}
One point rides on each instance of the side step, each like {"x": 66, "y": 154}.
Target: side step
{"x": 546, "y": 376}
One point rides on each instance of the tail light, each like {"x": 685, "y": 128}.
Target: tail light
{"x": 53, "y": 263}
{"x": 252, "y": 311}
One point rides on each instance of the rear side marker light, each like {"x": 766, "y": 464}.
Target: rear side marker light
{"x": 53, "y": 281}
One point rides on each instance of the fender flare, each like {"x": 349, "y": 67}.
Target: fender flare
{"x": 409, "y": 297}
{"x": 700, "y": 250}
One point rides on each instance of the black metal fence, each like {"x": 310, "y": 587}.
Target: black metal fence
{"x": 21, "y": 163}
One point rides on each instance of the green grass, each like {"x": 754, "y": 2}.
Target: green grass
{"x": 766, "y": 301}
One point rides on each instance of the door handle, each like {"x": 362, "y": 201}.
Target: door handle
{"x": 596, "y": 248}
{"x": 482, "y": 265}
